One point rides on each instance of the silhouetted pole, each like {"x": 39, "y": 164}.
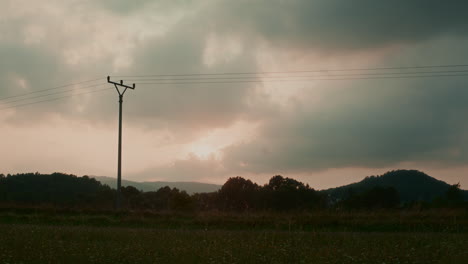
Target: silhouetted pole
{"x": 119, "y": 162}
{"x": 118, "y": 201}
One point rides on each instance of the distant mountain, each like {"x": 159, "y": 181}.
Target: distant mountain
{"x": 412, "y": 185}
{"x": 189, "y": 187}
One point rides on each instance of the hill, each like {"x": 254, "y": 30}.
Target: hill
{"x": 55, "y": 189}
{"x": 412, "y": 185}
{"x": 189, "y": 187}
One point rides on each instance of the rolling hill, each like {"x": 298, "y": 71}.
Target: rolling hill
{"x": 412, "y": 185}
{"x": 189, "y": 187}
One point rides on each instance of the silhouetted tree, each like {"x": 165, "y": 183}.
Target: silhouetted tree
{"x": 205, "y": 201}
{"x": 180, "y": 201}
{"x": 238, "y": 194}
{"x": 454, "y": 194}
{"x": 130, "y": 196}
{"x": 164, "y": 199}
{"x": 289, "y": 194}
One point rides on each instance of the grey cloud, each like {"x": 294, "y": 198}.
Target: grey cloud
{"x": 37, "y": 67}
{"x": 192, "y": 106}
{"x": 310, "y": 24}
{"x": 41, "y": 68}
{"x": 342, "y": 25}
{"x": 190, "y": 169}
{"x": 25, "y": 62}
{"x": 367, "y": 123}
{"x": 126, "y": 7}
{"x": 179, "y": 108}
{"x": 368, "y": 129}
{"x": 123, "y": 6}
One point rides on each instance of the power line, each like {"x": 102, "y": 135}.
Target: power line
{"x": 50, "y": 94}
{"x": 458, "y": 70}
{"x": 220, "y": 82}
{"x": 417, "y": 74}
{"x": 300, "y": 71}
{"x": 382, "y": 75}
{"x": 48, "y": 89}
{"x": 54, "y": 99}
{"x": 306, "y": 80}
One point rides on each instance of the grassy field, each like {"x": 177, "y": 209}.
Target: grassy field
{"x": 384, "y": 237}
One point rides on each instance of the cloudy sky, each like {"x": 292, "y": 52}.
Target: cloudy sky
{"x": 286, "y": 119}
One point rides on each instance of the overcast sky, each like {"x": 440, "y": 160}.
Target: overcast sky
{"x": 325, "y": 133}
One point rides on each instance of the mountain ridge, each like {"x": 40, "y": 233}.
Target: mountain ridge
{"x": 147, "y": 186}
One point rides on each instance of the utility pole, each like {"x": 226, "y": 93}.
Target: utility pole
{"x": 118, "y": 202}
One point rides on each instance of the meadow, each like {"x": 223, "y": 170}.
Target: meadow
{"x": 68, "y": 236}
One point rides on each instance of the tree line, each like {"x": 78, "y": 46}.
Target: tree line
{"x": 237, "y": 194}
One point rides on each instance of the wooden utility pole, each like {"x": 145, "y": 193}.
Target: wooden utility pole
{"x": 118, "y": 201}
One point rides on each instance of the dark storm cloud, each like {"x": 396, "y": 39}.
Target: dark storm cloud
{"x": 126, "y": 7}
{"x": 375, "y": 125}
{"x": 342, "y": 25}
{"x": 180, "y": 50}
{"x": 24, "y": 62}
{"x": 28, "y": 69}
{"x": 193, "y": 106}
{"x": 123, "y": 6}
{"x": 25, "y": 69}
{"x": 331, "y": 25}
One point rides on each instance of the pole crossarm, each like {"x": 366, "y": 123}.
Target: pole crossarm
{"x": 116, "y": 84}
{"x": 120, "y": 84}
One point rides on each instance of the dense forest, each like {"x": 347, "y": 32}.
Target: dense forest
{"x": 237, "y": 194}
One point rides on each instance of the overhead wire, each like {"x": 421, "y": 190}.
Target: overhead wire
{"x": 302, "y": 80}
{"x": 447, "y": 70}
{"x": 50, "y": 94}
{"x": 300, "y": 71}
{"x": 57, "y": 98}
{"x": 53, "y": 88}
{"x": 300, "y": 76}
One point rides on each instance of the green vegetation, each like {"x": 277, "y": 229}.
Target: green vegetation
{"x": 454, "y": 221}
{"x": 41, "y": 235}
{"x": 43, "y": 244}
